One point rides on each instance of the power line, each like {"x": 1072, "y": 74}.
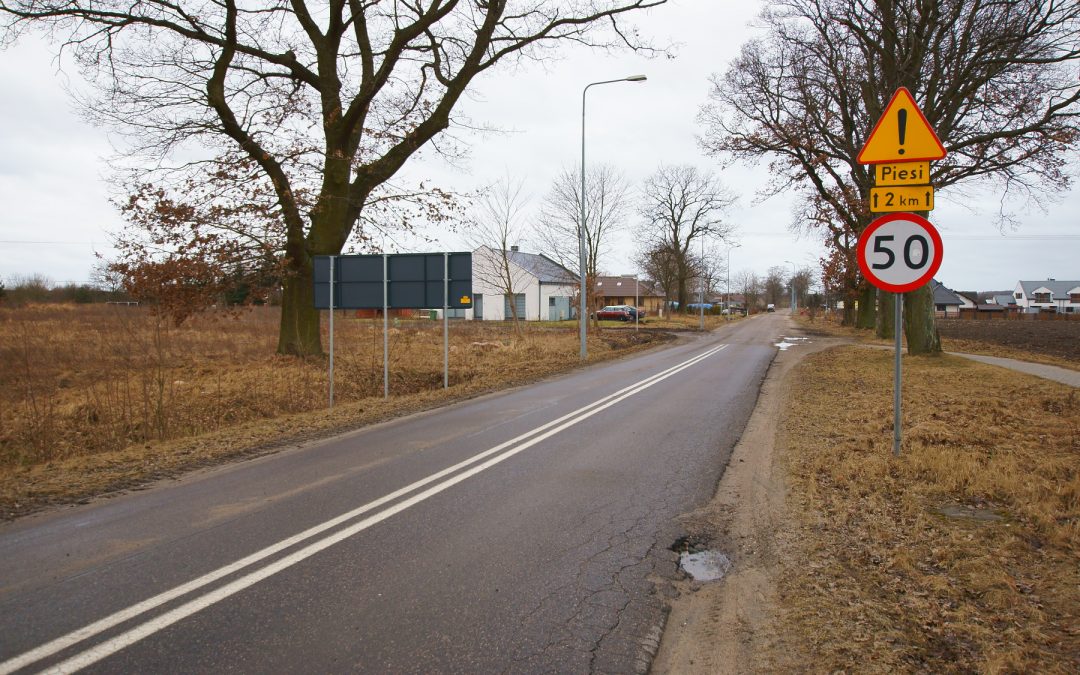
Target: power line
{"x": 61, "y": 243}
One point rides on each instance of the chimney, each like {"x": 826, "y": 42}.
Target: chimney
{"x": 514, "y": 248}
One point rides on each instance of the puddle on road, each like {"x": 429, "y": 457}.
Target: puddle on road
{"x": 705, "y": 565}
{"x": 786, "y": 342}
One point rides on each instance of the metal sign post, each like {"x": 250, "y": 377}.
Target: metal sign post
{"x": 446, "y": 322}
{"x": 385, "y": 330}
{"x": 331, "y": 331}
{"x": 898, "y": 329}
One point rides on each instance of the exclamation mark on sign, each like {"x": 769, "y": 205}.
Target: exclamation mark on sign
{"x": 901, "y": 120}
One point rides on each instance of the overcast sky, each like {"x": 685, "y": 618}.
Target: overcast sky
{"x": 56, "y": 212}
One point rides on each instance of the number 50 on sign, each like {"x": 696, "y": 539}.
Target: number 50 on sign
{"x": 899, "y": 252}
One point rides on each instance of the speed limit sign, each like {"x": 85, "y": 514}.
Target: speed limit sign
{"x": 899, "y": 252}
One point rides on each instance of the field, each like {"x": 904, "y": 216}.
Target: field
{"x": 959, "y": 556}
{"x": 95, "y": 397}
{"x": 1057, "y": 339}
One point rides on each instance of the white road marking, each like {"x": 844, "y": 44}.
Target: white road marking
{"x": 113, "y": 645}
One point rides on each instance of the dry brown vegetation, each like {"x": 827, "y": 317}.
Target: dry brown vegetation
{"x": 962, "y": 555}
{"x": 98, "y": 397}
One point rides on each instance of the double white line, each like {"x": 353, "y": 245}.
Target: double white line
{"x": 493, "y": 456}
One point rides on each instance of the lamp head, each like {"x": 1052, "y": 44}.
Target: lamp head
{"x": 636, "y": 78}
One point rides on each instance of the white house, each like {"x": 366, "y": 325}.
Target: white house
{"x": 542, "y": 289}
{"x": 947, "y": 303}
{"x": 1048, "y": 296}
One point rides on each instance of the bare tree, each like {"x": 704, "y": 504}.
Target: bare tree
{"x": 659, "y": 264}
{"x": 750, "y": 286}
{"x": 773, "y": 285}
{"x": 801, "y": 282}
{"x": 997, "y": 80}
{"x": 682, "y": 206}
{"x": 495, "y": 229}
{"x": 607, "y": 207}
{"x": 327, "y": 103}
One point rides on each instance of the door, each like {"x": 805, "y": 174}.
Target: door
{"x": 558, "y": 308}
{"x": 478, "y": 307}
{"x": 519, "y": 305}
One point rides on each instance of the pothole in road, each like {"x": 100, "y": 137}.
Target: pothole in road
{"x": 705, "y": 565}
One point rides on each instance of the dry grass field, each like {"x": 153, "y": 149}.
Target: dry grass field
{"x": 962, "y": 555}
{"x": 96, "y": 397}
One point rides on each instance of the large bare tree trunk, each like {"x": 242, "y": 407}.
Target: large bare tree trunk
{"x": 299, "y": 332}
{"x": 867, "y": 307}
{"x": 919, "y": 325}
{"x": 849, "y": 314}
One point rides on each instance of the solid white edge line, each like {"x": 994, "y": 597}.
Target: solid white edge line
{"x": 74, "y": 637}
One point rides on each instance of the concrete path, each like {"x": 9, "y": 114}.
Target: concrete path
{"x": 1063, "y": 375}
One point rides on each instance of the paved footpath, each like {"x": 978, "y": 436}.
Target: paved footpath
{"x": 1063, "y": 375}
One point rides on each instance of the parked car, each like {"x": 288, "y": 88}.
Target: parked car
{"x": 634, "y": 311}
{"x": 616, "y": 313}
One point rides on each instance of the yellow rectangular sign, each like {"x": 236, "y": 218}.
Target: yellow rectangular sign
{"x": 902, "y": 173}
{"x": 902, "y": 198}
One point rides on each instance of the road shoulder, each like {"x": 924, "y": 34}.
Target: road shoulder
{"x": 727, "y": 626}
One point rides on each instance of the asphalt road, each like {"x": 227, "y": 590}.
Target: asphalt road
{"x": 521, "y": 532}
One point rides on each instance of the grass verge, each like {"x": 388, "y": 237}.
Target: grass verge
{"x": 96, "y": 399}
{"x": 963, "y": 554}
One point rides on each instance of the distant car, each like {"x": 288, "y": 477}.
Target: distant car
{"x": 616, "y": 313}
{"x": 770, "y": 307}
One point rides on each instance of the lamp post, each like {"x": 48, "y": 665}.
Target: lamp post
{"x": 584, "y": 314}
{"x": 727, "y": 303}
{"x": 701, "y": 295}
{"x": 793, "y": 307}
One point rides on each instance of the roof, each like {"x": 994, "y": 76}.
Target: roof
{"x": 1058, "y": 289}
{"x": 624, "y": 285}
{"x": 546, "y": 270}
{"x": 943, "y": 296}
{"x": 1004, "y": 300}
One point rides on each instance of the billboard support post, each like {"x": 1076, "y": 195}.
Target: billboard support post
{"x": 385, "y": 330}
{"x": 331, "y": 331}
{"x": 446, "y": 321}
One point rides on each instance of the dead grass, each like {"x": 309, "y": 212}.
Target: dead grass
{"x": 94, "y": 398}
{"x": 875, "y": 577}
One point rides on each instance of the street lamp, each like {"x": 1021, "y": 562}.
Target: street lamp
{"x": 584, "y": 315}
{"x": 793, "y": 301}
{"x": 727, "y": 303}
{"x": 701, "y": 297}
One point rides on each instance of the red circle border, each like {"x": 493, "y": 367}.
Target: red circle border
{"x": 864, "y": 240}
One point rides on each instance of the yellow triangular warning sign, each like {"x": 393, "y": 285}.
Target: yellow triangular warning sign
{"x": 902, "y": 134}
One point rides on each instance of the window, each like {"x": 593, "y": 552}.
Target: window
{"x": 1074, "y": 298}
{"x": 1041, "y": 297}
{"x": 1019, "y": 296}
